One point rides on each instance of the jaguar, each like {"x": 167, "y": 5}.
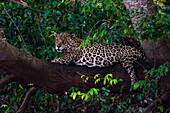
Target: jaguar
{"x": 98, "y": 55}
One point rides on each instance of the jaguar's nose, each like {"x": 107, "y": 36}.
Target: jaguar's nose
{"x": 58, "y": 46}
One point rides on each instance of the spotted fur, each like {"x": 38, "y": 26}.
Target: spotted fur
{"x": 101, "y": 55}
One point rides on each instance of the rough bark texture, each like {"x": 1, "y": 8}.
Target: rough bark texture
{"x": 55, "y": 78}
{"x": 161, "y": 49}
{"x": 162, "y": 46}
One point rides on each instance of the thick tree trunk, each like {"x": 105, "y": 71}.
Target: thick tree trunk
{"x": 55, "y": 78}
{"x": 162, "y": 46}
{"x": 161, "y": 49}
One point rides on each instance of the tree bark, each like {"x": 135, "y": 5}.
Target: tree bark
{"x": 161, "y": 49}
{"x": 27, "y": 98}
{"x": 55, "y": 78}
{"x": 162, "y": 46}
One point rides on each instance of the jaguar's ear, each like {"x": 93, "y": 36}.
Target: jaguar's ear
{"x": 55, "y": 34}
{"x": 72, "y": 36}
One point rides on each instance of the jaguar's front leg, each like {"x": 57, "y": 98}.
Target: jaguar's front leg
{"x": 59, "y": 60}
{"x": 130, "y": 70}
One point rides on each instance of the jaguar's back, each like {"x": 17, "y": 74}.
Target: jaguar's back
{"x": 100, "y": 55}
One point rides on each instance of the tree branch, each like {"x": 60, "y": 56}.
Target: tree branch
{"x": 31, "y": 92}
{"x": 16, "y": 1}
{"x": 57, "y": 78}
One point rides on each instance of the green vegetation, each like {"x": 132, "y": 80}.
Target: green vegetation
{"x": 31, "y": 29}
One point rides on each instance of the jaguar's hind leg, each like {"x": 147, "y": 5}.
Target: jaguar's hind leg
{"x": 128, "y": 65}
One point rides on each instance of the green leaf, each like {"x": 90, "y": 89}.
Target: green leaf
{"x": 110, "y": 75}
{"x": 30, "y": 84}
{"x": 145, "y": 71}
{"x": 139, "y": 97}
{"x": 136, "y": 85}
{"x": 74, "y": 94}
{"x": 101, "y": 34}
{"x": 161, "y": 108}
{"x": 4, "y": 106}
{"x": 94, "y": 36}
{"x": 15, "y": 43}
{"x": 86, "y": 97}
{"x": 151, "y": 71}
{"x": 111, "y": 82}
{"x": 76, "y": 88}
{"x": 19, "y": 38}
{"x": 47, "y": 28}
{"x": 115, "y": 81}
{"x": 91, "y": 91}
{"x": 97, "y": 80}
{"x": 2, "y": 4}
{"x": 82, "y": 76}
{"x": 166, "y": 69}
{"x": 82, "y": 97}
{"x": 120, "y": 80}
{"x": 104, "y": 82}
{"x": 125, "y": 31}
{"x": 20, "y": 86}
{"x": 84, "y": 44}
{"x": 142, "y": 82}
{"x": 47, "y": 13}
{"x": 121, "y": 89}
{"x": 41, "y": 108}
{"x": 97, "y": 75}
{"x": 95, "y": 91}
{"x": 83, "y": 10}
{"x": 87, "y": 78}
{"x": 78, "y": 93}
{"x": 10, "y": 4}
{"x": 162, "y": 73}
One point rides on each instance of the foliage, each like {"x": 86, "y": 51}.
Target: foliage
{"x": 92, "y": 91}
{"x": 106, "y": 101}
{"x": 109, "y": 77}
{"x": 14, "y": 94}
{"x": 107, "y": 21}
{"x": 150, "y": 84}
{"x": 93, "y": 96}
{"x": 157, "y": 26}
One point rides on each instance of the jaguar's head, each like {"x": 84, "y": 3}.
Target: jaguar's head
{"x": 65, "y": 41}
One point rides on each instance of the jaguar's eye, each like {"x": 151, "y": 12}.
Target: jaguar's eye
{"x": 64, "y": 41}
